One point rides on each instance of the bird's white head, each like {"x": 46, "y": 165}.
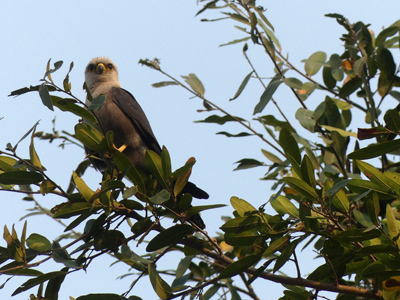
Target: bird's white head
{"x": 101, "y": 72}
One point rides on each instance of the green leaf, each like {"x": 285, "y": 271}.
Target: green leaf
{"x": 357, "y": 235}
{"x": 242, "y": 86}
{"x": 315, "y": 62}
{"x": 211, "y": 292}
{"x": 7, "y": 163}
{"x": 66, "y": 104}
{"x": 54, "y": 285}
{"x": 45, "y": 96}
{"x": 392, "y": 224}
{"x": 328, "y": 78}
{"x": 241, "y": 134}
{"x": 282, "y": 205}
{"x": 289, "y": 145}
{"x": 277, "y": 245}
{"x": 37, "y": 280}
{"x": 183, "y": 178}
{"x": 272, "y": 157}
{"x": 196, "y": 209}
{"x": 375, "y": 150}
{"x": 166, "y": 163}
{"x": 239, "y": 266}
{"x": 342, "y": 132}
{"x": 386, "y": 63}
{"x": 241, "y": 224}
{"x": 23, "y": 137}
{"x": 235, "y": 41}
{"x": 220, "y": 120}
{"x": 247, "y": 163}
{"x": 362, "y": 218}
{"x": 360, "y": 186}
{"x": 164, "y": 83}
{"x": 285, "y": 255}
{"x": 350, "y": 87}
{"x": 195, "y": 84}
{"x": 307, "y": 171}
{"x": 170, "y": 236}
{"x": 238, "y": 18}
{"x": 33, "y": 155}
{"x": 153, "y": 163}
{"x": 338, "y": 74}
{"x": 374, "y": 174}
{"x": 306, "y": 119}
{"x": 90, "y": 137}
{"x": 20, "y": 177}
{"x": 293, "y": 83}
{"x": 373, "y": 208}
{"x": 392, "y": 119}
{"x": 38, "y": 243}
{"x": 82, "y": 187}
{"x": 395, "y": 95}
{"x": 302, "y": 188}
{"x": 125, "y": 165}
{"x": 242, "y": 206}
{"x": 340, "y": 200}
{"x": 267, "y": 95}
{"x": 68, "y": 210}
{"x": 160, "y": 197}
{"x": 384, "y": 34}
{"x": 245, "y": 238}
{"x": 97, "y": 103}
{"x": 162, "y": 289}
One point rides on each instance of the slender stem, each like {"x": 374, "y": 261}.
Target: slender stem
{"x": 223, "y": 111}
{"x": 262, "y": 83}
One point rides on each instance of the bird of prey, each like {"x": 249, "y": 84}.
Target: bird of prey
{"x": 122, "y": 115}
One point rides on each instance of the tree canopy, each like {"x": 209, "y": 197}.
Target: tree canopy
{"x": 325, "y": 195}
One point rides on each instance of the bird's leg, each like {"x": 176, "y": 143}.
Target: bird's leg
{"x": 121, "y": 149}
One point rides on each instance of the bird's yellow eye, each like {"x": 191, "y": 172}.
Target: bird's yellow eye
{"x": 91, "y": 67}
{"x": 110, "y": 66}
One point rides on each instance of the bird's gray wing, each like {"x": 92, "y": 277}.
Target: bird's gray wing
{"x": 132, "y": 110}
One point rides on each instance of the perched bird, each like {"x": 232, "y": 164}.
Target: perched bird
{"x": 122, "y": 114}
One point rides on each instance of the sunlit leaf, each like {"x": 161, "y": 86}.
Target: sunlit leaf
{"x": 38, "y": 243}
{"x": 342, "y": 132}
{"x": 282, "y": 206}
{"x": 161, "y": 287}
{"x": 301, "y": 187}
{"x": 315, "y": 62}
{"x": 182, "y": 179}
{"x": 195, "y": 84}
{"x": 242, "y": 206}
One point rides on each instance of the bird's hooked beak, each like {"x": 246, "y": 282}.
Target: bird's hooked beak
{"x": 100, "y": 68}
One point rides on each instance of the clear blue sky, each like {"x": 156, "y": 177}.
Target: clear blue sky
{"x": 126, "y": 31}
